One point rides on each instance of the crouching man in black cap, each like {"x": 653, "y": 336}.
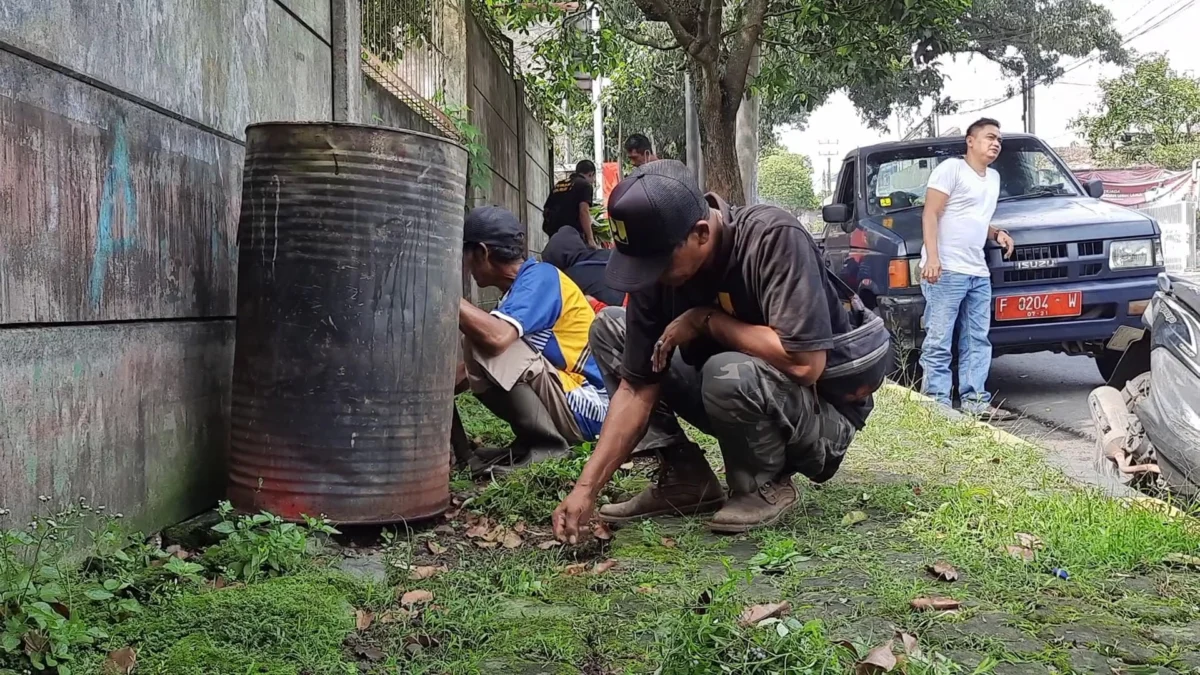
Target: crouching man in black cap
{"x": 729, "y": 318}
{"x": 527, "y": 360}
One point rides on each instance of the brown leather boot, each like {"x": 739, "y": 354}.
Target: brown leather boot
{"x": 685, "y": 486}
{"x": 755, "y": 509}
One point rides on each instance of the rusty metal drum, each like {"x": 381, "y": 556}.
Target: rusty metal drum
{"x": 349, "y": 277}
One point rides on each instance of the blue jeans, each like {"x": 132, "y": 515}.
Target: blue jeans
{"x": 964, "y": 301}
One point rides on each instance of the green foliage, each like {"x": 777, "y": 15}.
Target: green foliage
{"x": 282, "y": 626}
{"x": 777, "y": 557}
{"x": 1031, "y": 37}
{"x": 531, "y": 494}
{"x": 479, "y": 158}
{"x": 1150, "y": 114}
{"x": 49, "y": 608}
{"x": 786, "y": 179}
{"x": 263, "y": 544}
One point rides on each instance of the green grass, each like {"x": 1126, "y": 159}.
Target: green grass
{"x": 933, "y": 490}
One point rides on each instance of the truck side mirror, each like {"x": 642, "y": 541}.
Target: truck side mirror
{"x": 838, "y": 214}
{"x": 1095, "y": 188}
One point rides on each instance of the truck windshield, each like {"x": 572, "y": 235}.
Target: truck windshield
{"x": 896, "y": 178}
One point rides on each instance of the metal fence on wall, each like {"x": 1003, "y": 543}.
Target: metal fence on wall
{"x": 1178, "y": 223}
{"x": 406, "y": 50}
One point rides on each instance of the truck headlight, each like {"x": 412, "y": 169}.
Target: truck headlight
{"x": 1124, "y": 255}
{"x": 904, "y": 272}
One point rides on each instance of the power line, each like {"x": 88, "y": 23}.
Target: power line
{"x": 1141, "y": 30}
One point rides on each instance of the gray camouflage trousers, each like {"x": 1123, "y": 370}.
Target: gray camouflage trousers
{"x": 767, "y": 425}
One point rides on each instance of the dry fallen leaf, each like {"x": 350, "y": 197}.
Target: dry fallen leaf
{"x": 549, "y": 544}
{"x": 910, "y": 644}
{"x": 487, "y": 544}
{"x": 370, "y": 653}
{"x": 512, "y": 540}
{"x": 755, "y": 613}
{"x": 363, "y": 619}
{"x": 393, "y": 616}
{"x": 479, "y": 529}
{"x": 121, "y": 661}
{"x": 879, "y": 660}
{"x": 645, "y": 589}
{"x": 575, "y": 569}
{"x": 434, "y": 547}
{"x": 935, "y": 603}
{"x": 603, "y": 567}
{"x": 496, "y": 533}
{"x": 424, "y": 572}
{"x": 177, "y": 551}
{"x": 944, "y": 571}
{"x": 1028, "y": 540}
{"x": 601, "y": 532}
{"x": 1020, "y": 552}
{"x": 417, "y": 597}
{"x": 854, "y": 518}
{"x": 519, "y": 528}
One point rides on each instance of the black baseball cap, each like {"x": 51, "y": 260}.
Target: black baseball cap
{"x": 493, "y": 226}
{"x": 651, "y": 212}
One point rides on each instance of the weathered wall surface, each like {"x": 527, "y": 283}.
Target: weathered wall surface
{"x": 379, "y": 106}
{"x": 134, "y": 416}
{"x": 120, "y": 173}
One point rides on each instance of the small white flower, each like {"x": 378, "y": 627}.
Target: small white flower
{"x": 43, "y": 498}
{"x": 118, "y": 515}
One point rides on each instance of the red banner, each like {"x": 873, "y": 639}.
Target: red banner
{"x": 1142, "y": 185}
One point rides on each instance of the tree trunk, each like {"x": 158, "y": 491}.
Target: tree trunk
{"x": 747, "y": 139}
{"x": 718, "y": 130}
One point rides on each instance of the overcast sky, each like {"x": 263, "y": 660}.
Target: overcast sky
{"x": 977, "y": 82}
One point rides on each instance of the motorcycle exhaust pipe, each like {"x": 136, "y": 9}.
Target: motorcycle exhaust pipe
{"x": 1112, "y": 421}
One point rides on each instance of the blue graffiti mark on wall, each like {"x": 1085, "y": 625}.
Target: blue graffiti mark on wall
{"x": 117, "y": 178}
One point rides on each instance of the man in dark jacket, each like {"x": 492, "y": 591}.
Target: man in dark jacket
{"x": 570, "y": 203}
{"x": 584, "y": 266}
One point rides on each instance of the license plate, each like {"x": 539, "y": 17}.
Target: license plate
{"x": 1039, "y": 305}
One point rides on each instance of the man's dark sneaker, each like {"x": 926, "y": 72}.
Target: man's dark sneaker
{"x": 755, "y": 509}
{"x": 685, "y": 486}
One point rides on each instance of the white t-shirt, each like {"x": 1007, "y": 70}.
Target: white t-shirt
{"x": 963, "y": 227}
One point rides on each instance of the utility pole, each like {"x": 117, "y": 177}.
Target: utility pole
{"x": 1027, "y": 101}
{"x": 828, "y": 151}
{"x": 695, "y": 158}
{"x": 597, "y": 117}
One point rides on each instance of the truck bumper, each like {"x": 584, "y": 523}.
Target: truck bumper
{"x": 1106, "y": 307}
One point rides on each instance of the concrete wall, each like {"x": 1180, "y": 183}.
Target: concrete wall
{"x": 121, "y": 143}
{"x": 517, "y": 142}
{"x": 121, "y": 127}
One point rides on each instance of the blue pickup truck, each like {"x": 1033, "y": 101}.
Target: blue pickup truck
{"x": 1081, "y": 275}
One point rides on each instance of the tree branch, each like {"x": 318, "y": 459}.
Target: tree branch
{"x": 645, "y": 40}
{"x": 659, "y": 8}
{"x": 738, "y": 65}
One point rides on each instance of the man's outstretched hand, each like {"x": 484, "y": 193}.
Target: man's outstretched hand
{"x": 573, "y": 515}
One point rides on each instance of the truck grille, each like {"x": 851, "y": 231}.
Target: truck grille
{"x": 1094, "y": 247}
{"x": 1091, "y": 269}
{"x": 1044, "y": 252}
{"x": 1043, "y": 274}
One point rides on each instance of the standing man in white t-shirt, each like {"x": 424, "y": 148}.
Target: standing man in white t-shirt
{"x": 959, "y": 203}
